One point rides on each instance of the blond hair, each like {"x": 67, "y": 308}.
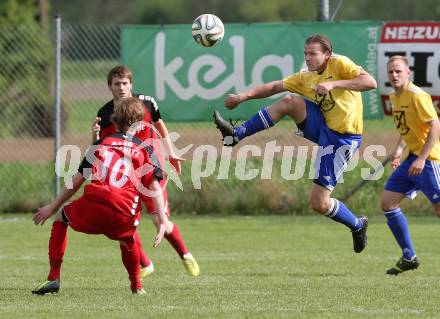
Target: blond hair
{"x": 398, "y": 58}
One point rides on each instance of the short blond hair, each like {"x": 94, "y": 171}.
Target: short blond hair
{"x": 127, "y": 112}
{"x": 398, "y": 58}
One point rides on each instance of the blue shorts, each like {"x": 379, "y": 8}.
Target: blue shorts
{"x": 335, "y": 149}
{"x": 428, "y": 181}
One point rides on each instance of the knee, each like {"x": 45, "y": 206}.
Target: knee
{"x": 319, "y": 205}
{"x": 387, "y": 205}
{"x": 290, "y": 100}
{"x": 437, "y": 211}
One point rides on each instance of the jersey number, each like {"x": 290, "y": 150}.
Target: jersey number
{"x": 115, "y": 169}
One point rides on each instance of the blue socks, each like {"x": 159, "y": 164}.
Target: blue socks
{"x": 398, "y": 225}
{"x": 340, "y": 213}
{"x": 256, "y": 123}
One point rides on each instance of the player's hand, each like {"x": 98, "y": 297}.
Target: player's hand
{"x": 96, "y": 127}
{"x": 395, "y": 158}
{"x": 323, "y": 88}
{"x": 232, "y": 100}
{"x": 43, "y": 214}
{"x": 175, "y": 161}
{"x": 395, "y": 163}
{"x": 416, "y": 167}
{"x": 159, "y": 235}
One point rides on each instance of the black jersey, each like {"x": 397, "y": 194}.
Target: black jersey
{"x": 152, "y": 115}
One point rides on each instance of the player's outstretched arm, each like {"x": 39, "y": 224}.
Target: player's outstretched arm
{"x": 45, "y": 212}
{"x": 259, "y": 92}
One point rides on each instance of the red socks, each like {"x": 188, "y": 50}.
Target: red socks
{"x": 175, "y": 239}
{"x": 57, "y": 247}
{"x": 130, "y": 255}
{"x": 145, "y": 261}
{"x": 130, "y": 258}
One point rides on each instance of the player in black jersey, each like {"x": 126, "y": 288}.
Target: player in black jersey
{"x": 120, "y": 83}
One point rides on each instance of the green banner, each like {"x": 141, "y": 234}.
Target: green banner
{"x": 189, "y": 81}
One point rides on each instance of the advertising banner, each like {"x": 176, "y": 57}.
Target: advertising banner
{"x": 419, "y": 42}
{"x": 189, "y": 81}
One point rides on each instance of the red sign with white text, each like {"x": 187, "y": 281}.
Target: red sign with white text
{"x": 419, "y": 42}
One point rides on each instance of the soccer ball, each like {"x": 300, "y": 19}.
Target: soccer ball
{"x": 207, "y": 30}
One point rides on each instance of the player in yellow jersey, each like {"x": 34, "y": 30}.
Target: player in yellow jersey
{"x": 419, "y": 128}
{"x": 328, "y": 112}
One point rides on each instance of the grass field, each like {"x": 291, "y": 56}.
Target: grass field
{"x": 251, "y": 267}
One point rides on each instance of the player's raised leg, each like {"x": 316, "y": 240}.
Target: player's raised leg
{"x": 290, "y": 105}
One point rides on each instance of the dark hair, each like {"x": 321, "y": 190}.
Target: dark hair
{"x": 119, "y": 71}
{"x": 127, "y": 112}
{"x": 325, "y": 43}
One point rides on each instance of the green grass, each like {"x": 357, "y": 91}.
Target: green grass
{"x": 24, "y": 186}
{"x": 251, "y": 267}
{"x": 384, "y": 124}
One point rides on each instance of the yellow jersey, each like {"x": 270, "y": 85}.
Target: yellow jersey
{"x": 342, "y": 109}
{"x": 411, "y": 111}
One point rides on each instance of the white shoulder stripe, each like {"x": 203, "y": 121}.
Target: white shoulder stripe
{"x": 414, "y": 89}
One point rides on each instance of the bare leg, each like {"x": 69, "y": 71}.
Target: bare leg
{"x": 436, "y": 207}
{"x": 293, "y": 106}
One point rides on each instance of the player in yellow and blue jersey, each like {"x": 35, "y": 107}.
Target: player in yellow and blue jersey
{"x": 328, "y": 112}
{"x": 417, "y": 122}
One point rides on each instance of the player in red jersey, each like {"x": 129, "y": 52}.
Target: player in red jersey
{"x": 123, "y": 172}
{"x": 120, "y": 83}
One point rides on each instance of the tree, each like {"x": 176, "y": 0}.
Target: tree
{"x": 26, "y": 54}
{"x": 184, "y": 11}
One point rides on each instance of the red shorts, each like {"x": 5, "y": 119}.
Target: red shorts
{"x": 92, "y": 217}
{"x": 149, "y": 202}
